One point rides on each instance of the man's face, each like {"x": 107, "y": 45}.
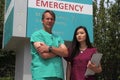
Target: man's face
{"x": 48, "y": 21}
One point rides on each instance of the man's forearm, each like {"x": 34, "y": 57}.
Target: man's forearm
{"x": 47, "y": 55}
{"x": 60, "y": 51}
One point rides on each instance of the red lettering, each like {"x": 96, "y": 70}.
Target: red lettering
{"x": 44, "y": 4}
{"x": 50, "y": 4}
{"x": 37, "y": 2}
{"x": 81, "y": 8}
{"x": 61, "y": 6}
{"x": 55, "y": 5}
{"x": 71, "y": 7}
{"x": 76, "y": 7}
{"x": 66, "y": 6}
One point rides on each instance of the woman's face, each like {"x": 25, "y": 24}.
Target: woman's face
{"x": 81, "y": 35}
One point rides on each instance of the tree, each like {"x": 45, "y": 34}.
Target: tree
{"x": 107, "y": 37}
{"x": 2, "y": 2}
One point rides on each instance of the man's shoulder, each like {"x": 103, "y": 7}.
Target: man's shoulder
{"x": 37, "y": 32}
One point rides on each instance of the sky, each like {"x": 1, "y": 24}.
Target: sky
{"x": 109, "y": 0}
{"x": 106, "y": 0}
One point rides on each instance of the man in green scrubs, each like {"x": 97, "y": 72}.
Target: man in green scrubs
{"x": 47, "y": 51}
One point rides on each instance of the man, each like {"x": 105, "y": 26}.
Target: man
{"x": 47, "y": 51}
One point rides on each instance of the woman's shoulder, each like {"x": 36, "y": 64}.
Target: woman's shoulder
{"x": 93, "y": 49}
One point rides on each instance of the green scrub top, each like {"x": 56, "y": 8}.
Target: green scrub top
{"x": 43, "y": 68}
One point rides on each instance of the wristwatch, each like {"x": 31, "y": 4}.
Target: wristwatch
{"x": 50, "y": 48}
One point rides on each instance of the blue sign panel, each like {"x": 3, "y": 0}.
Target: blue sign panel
{"x": 7, "y": 3}
{"x": 8, "y": 21}
{"x": 69, "y": 15}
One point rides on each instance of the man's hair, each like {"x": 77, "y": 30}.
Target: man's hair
{"x": 48, "y": 11}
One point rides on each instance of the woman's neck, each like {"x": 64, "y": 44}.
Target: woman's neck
{"x": 83, "y": 46}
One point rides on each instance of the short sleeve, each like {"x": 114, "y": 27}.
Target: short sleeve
{"x": 36, "y": 37}
{"x": 61, "y": 41}
{"x": 68, "y": 58}
{"x": 94, "y": 50}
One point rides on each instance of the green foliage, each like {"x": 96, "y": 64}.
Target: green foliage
{"x": 2, "y": 2}
{"x": 7, "y": 65}
{"x": 107, "y": 38}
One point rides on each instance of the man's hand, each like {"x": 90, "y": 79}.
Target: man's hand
{"x": 43, "y": 48}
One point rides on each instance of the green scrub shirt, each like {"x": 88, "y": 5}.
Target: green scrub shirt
{"x": 44, "y": 68}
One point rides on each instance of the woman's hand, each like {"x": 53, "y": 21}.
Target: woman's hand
{"x": 94, "y": 67}
{"x": 91, "y": 65}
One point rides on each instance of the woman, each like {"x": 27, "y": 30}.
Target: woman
{"x": 79, "y": 57}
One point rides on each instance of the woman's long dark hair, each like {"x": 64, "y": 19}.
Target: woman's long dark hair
{"x": 76, "y": 45}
